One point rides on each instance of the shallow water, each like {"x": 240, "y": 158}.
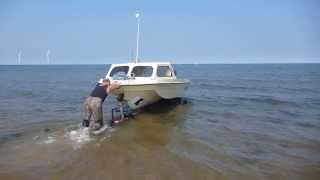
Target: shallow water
{"x": 240, "y": 122}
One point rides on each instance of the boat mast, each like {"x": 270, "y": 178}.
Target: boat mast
{"x": 138, "y": 37}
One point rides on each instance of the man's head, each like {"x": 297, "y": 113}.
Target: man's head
{"x": 105, "y": 82}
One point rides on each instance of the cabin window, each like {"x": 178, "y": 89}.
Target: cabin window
{"x": 164, "y": 71}
{"x": 119, "y": 71}
{"x": 142, "y": 71}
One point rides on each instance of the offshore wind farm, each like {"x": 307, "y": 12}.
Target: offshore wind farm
{"x": 46, "y": 61}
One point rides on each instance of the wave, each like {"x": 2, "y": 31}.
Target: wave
{"x": 208, "y": 85}
{"x": 265, "y": 100}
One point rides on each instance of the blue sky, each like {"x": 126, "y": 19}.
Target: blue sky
{"x": 213, "y": 31}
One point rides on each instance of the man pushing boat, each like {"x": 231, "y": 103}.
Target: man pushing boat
{"x": 92, "y": 114}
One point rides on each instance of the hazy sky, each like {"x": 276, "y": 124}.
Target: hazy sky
{"x": 213, "y": 31}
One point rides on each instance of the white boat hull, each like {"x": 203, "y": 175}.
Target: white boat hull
{"x": 140, "y": 95}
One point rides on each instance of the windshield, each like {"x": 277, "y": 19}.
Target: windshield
{"x": 119, "y": 71}
{"x": 142, "y": 71}
{"x": 164, "y": 71}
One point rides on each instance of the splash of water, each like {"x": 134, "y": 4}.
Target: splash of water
{"x": 79, "y": 136}
{"x": 48, "y": 140}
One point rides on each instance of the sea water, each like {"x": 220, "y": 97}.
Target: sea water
{"x": 240, "y": 122}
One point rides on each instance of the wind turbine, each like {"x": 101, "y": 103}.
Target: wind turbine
{"x": 19, "y": 57}
{"x": 48, "y": 56}
{"x": 138, "y": 36}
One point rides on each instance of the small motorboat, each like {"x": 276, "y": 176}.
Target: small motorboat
{"x": 146, "y": 83}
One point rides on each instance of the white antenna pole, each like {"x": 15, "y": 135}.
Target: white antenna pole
{"x": 19, "y": 57}
{"x": 138, "y": 36}
{"x": 131, "y": 54}
{"x": 48, "y": 56}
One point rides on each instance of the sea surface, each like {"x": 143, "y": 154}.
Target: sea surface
{"x": 240, "y": 122}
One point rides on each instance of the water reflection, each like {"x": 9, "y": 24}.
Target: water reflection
{"x": 155, "y": 124}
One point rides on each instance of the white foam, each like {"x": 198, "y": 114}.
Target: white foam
{"x": 82, "y": 135}
{"x": 78, "y": 137}
{"x": 73, "y": 133}
{"x": 101, "y": 130}
{"x": 49, "y": 140}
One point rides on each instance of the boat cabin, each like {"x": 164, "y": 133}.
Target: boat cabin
{"x": 148, "y": 70}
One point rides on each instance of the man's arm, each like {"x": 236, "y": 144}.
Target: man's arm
{"x": 112, "y": 87}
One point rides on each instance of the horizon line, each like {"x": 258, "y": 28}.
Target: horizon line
{"x": 226, "y": 63}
